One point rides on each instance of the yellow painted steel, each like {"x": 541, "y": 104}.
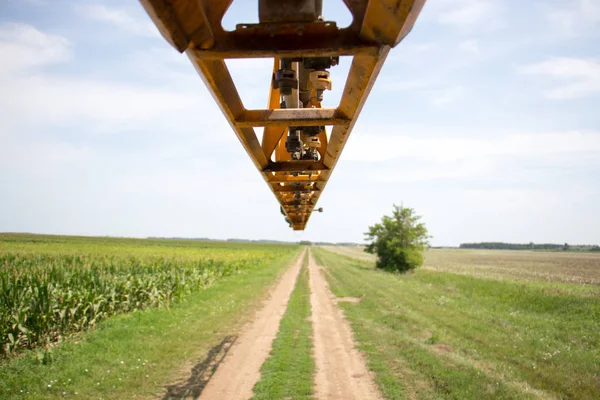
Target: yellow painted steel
{"x": 194, "y": 27}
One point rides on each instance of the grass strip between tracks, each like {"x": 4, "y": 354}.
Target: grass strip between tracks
{"x": 440, "y": 335}
{"x": 289, "y": 371}
{"x": 136, "y": 355}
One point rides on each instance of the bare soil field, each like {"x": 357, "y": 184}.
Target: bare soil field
{"x": 568, "y": 267}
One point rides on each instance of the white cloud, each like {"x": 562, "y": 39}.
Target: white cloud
{"x": 406, "y": 86}
{"x": 119, "y": 18}
{"x": 252, "y": 78}
{"x": 418, "y": 157}
{"x": 43, "y": 157}
{"x": 468, "y": 15}
{"x": 452, "y": 147}
{"x": 56, "y": 100}
{"x": 575, "y": 18}
{"x": 441, "y": 170}
{"x": 24, "y": 47}
{"x": 583, "y": 76}
{"x": 36, "y": 2}
{"x": 434, "y": 90}
{"x": 448, "y": 95}
{"x": 32, "y": 97}
{"x": 470, "y": 46}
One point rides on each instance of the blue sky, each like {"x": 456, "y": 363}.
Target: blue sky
{"x": 486, "y": 120}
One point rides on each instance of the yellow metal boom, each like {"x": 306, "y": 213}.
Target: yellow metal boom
{"x": 296, "y": 156}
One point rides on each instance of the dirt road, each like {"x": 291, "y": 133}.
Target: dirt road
{"x": 240, "y": 370}
{"x": 341, "y": 370}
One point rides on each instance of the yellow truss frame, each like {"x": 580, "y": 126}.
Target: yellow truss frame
{"x": 194, "y": 27}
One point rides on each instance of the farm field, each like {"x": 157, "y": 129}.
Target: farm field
{"x": 178, "y": 319}
{"x": 476, "y": 324}
{"x": 568, "y": 267}
{"x": 143, "y": 299}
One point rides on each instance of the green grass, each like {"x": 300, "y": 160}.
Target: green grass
{"x": 288, "y": 372}
{"x": 139, "y": 353}
{"x": 436, "y": 334}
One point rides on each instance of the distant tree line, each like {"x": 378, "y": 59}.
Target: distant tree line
{"x": 530, "y": 246}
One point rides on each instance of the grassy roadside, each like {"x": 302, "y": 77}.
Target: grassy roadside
{"x": 289, "y": 370}
{"x": 135, "y": 355}
{"x": 441, "y": 335}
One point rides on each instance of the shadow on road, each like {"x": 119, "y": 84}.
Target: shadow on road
{"x": 201, "y": 373}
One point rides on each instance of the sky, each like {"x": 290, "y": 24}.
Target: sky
{"x": 485, "y": 120}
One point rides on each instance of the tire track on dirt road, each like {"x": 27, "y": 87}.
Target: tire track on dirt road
{"x": 342, "y": 372}
{"x": 240, "y": 370}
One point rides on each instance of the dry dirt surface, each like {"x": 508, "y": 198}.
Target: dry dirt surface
{"x": 240, "y": 370}
{"x": 341, "y": 369}
{"x": 352, "y": 251}
{"x": 550, "y": 266}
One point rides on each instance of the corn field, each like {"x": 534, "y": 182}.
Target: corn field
{"x": 50, "y": 294}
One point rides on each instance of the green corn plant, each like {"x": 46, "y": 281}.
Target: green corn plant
{"x": 52, "y": 288}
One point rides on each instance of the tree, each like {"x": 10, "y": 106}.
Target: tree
{"x": 399, "y": 240}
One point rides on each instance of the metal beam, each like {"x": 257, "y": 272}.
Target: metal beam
{"x": 292, "y": 117}
{"x": 295, "y": 166}
{"x": 291, "y": 189}
{"x": 246, "y": 51}
{"x": 389, "y": 21}
{"x": 183, "y": 25}
{"x": 292, "y": 179}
